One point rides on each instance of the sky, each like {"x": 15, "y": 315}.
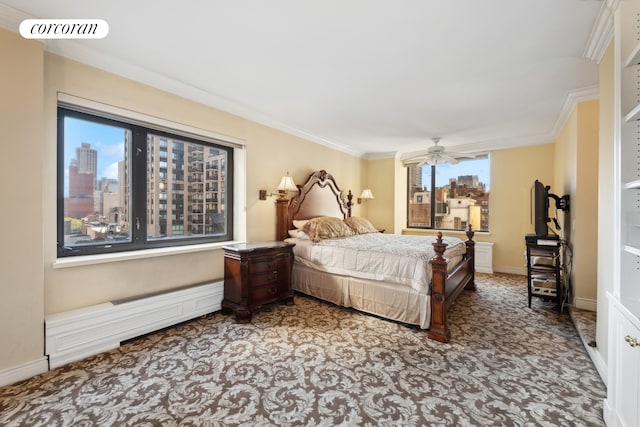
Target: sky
{"x": 107, "y": 140}
{"x": 478, "y": 167}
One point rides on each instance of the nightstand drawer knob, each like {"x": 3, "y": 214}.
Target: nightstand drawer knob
{"x": 632, "y": 341}
{"x": 273, "y": 290}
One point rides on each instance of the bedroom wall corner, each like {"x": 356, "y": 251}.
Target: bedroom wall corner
{"x": 513, "y": 172}
{"x": 576, "y": 153}
{"x": 379, "y": 175}
{"x": 21, "y": 186}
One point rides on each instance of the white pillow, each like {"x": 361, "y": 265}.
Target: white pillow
{"x": 300, "y": 223}
{"x": 299, "y": 234}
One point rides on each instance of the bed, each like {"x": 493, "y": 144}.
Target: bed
{"x": 341, "y": 259}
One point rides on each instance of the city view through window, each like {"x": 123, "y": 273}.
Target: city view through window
{"x": 449, "y": 197}
{"x": 182, "y": 185}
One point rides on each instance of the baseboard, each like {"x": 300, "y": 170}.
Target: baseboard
{"x": 24, "y": 371}
{"x": 585, "y": 304}
{"x": 76, "y": 334}
{"x": 511, "y": 270}
{"x": 609, "y": 415}
{"x": 598, "y": 361}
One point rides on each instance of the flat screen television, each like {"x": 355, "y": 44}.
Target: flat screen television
{"x": 540, "y": 209}
{"x": 540, "y": 196}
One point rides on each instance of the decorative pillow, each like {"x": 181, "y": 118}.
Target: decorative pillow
{"x": 360, "y": 225}
{"x": 300, "y": 223}
{"x": 326, "y": 228}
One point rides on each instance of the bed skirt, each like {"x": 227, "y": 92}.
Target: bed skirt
{"x": 391, "y": 301}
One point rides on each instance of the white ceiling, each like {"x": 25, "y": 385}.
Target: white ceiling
{"x": 368, "y": 77}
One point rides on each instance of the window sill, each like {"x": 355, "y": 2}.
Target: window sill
{"x": 85, "y": 260}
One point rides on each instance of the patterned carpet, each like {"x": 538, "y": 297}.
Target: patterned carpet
{"x": 314, "y": 364}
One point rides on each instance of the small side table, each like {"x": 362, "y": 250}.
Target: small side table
{"x": 544, "y": 277}
{"x": 256, "y": 274}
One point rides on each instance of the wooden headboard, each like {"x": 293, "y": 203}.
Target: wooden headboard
{"x": 319, "y": 196}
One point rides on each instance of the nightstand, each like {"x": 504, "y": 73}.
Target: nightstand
{"x": 256, "y": 274}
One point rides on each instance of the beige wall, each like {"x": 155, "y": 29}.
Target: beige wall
{"x": 576, "y": 174}
{"x": 21, "y": 275}
{"x": 381, "y": 178}
{"x": 32, "y": 283}
{"x": 269, "y": 155}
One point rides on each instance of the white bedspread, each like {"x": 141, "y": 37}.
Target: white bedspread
{"x": 392, "y": 258}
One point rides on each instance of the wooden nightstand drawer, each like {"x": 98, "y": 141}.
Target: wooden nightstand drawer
{"x": 265, "y": 294}
{"x": 266, "y": 278}
{"x": 256, "y": 274}
{"x": 267, "y": 265}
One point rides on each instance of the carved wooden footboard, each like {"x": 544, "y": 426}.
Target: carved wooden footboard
{"x": 445, "y": 287}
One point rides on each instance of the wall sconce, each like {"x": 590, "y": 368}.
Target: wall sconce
{"x": 286, "y": 185}
{"x": 366, "y": 195}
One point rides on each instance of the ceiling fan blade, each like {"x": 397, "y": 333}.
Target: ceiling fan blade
{"x": 447, "y": 158}
{"x": 461, "y": 155}
{"x": 436, "y": 154}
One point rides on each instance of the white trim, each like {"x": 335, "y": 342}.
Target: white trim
{"x": 572, "y": 99}
{"x": 23, "y": 371}
{"x": 76, "y": 334}
{"x": 511, "y": 270}
{"x": 77, "y": 261}
{"x": 133, "y": 117}
{"x": 585, "y": 304}
{"x": 11, "y": 18}
{"x": 601, "y": 33}
{"x": 598, "y": 361}
{"x": 75, "y": 51}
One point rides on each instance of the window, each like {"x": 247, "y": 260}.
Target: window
{"x": 449, "y": 197}
{"x": 126, "y": 186}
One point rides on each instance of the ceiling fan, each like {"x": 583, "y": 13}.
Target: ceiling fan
{"x": 437, "y": 155}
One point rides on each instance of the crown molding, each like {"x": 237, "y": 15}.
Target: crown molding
{"x": 599, "y": 39}
{"x": 602, "y": 32}
{"x": 81, "y": 53}
{"x": 571, "y": 99}
{"x": 11, "y": 18}
{"x": 380, "y": 156}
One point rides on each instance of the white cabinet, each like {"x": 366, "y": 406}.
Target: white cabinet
{"x": 623, "y": 383}
{"x": 623, "y": 391}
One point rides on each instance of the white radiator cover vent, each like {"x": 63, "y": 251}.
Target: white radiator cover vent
{"x": 76, "y": 334}
{"x": 484, "y": 257}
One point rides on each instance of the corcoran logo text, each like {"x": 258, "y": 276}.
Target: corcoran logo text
{"x": 64, "y": 29}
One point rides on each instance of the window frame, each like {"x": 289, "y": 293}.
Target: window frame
{"x": 432, "y": 200}
{"x": 138, "y": 182}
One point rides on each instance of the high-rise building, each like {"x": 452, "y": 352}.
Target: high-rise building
{"x": 87, "y": 161}
{"x": 415, "y": 179}
{"x": 185, "y": 188}
{"x": 79, "y": 202}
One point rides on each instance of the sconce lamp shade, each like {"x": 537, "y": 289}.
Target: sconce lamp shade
{"x": 287, "y": 184}
{"x": 366, "y": 194}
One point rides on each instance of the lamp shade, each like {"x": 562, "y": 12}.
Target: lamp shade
{"x": 366, "y": 194}
{"x": 287, "y": 184}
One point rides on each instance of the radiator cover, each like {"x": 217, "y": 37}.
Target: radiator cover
{"x": 76, "y": 334}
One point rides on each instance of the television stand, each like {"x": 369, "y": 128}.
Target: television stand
{"x": 544, "y": 278}
{"x": 550, "y": 239}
